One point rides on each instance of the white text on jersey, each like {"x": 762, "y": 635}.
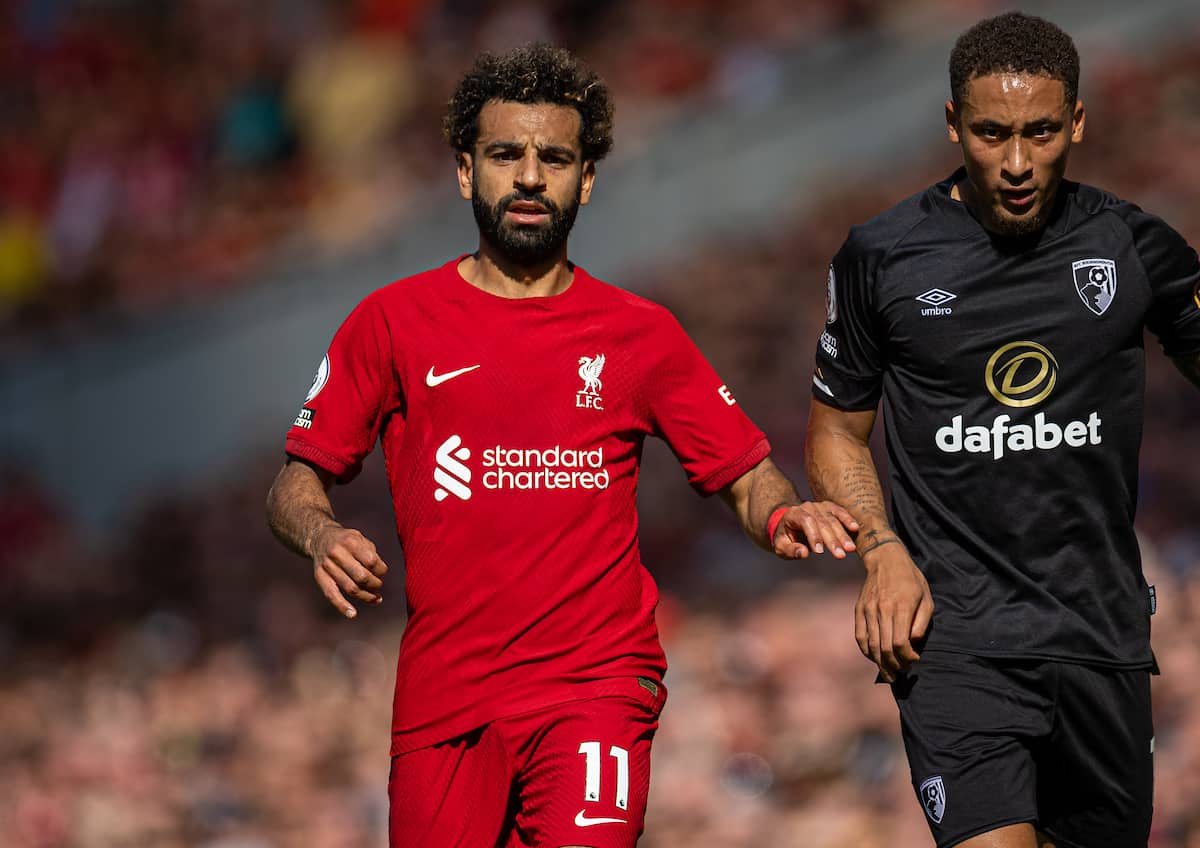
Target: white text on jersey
{"x": 1001, "y": 435}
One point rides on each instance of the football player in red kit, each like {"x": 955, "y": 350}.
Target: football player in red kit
{"x": 512, "y": 392}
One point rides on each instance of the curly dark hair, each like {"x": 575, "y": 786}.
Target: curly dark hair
{"x": 1014, "y": 43}
{"x": 534, "y": 73}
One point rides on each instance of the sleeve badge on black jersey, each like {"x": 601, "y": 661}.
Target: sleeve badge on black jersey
{"x": 831, "y": 298}
{"x": 1096, "y": 283}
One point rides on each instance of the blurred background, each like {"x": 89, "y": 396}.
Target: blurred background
{"x": 193, "y": 193}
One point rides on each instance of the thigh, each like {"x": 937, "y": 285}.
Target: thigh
{"x": 450, "y": 795}
{"x": 585, "y": 776}
{"x": 1096, "y": 779}
{"x": 968, "y": 726}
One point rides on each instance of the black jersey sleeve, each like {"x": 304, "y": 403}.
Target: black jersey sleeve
{"x": 1173, "y": 269}
{"x": 849, "y": 370}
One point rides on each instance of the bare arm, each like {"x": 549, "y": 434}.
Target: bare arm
{"x": 758, "y": 493}
{"x": 894, "y": 608}
{"x": 345, "y": 563}
{"x": 1189, "y": 364}
{"x": 840, "y": 468}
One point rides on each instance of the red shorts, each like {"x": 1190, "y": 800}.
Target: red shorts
{"x": 570, "y": 774}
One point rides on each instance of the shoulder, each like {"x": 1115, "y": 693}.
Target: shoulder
{"x": 1089, "y": 202}
{"x": 421, "y": 285}
{"x": 628, "y": 307}
{"x": 1146, "y": 229}
{"x": 401, "y": 297}
{"x": 874, "y": 239}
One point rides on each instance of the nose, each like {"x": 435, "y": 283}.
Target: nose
{"x": 1016, "y": 167}
{"x": 529, "y": 175}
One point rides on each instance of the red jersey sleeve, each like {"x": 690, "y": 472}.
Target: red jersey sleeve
{"x": 354, "y": 392}
{"x": 695, "y": 413}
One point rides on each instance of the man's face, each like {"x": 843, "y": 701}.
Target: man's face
{"x": 526, "y": 179}
{"x": 1015, "y": 130}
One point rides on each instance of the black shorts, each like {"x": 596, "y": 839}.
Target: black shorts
{"x": 1067, "y": 747}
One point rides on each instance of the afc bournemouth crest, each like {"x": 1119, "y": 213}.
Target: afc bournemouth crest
{"x": 589, "y": 371}
{"x": 1096, "y": 283}
{"x": 933, "y": 798}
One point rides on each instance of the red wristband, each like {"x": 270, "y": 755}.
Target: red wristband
{"x": 773, "y": 522}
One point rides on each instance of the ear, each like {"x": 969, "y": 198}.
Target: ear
{"x": 952, "y": 122}
{"x": 465, "y": 170}
{"x": 585, "y": 181}
{"x": 1077, "y": 122}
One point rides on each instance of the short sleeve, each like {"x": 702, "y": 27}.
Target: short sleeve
{"x": 696, "y": 414}
{"x": 849, "y": 362}
{"x": 354, "y": 391}
{"x": 1173, "y": 269}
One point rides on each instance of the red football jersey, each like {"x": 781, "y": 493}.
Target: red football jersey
{"x": 512, "y": 431}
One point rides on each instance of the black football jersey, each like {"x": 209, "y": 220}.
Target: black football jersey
{"x": 1012, "y": 374}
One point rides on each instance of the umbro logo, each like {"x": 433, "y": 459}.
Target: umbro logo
{"x": 432, "y": 379}
{"x": 936, "y": 300}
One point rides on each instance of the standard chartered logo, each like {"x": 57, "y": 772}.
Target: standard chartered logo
{"x": 451, "y": 474}
{"x": 1020, "y": 375}
{"x": 518, "y": 469}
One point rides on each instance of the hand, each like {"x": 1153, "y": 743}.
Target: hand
{"x": 894, "y": 607}
{"x": 821, "y": 524}
{"x": 346, "y": 564}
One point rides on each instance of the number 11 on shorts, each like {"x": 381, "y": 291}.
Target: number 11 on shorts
{"x": 591, "y": 789}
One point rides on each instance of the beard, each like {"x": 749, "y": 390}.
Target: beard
{"x": 524, "y": 244}
{"x": 1018, "y": 228}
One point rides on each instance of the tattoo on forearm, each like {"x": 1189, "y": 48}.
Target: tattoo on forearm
{"x": 875, "y": 540}
{"x": 861, "y": 486}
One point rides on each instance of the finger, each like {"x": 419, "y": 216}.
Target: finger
{"x": 790, "y": 549}
{"x": 345, "y": 583}
{"x": 330, "y": 590}
{"x": 860, "y": 630}
{"x": 924, "y": 615}
{"x": 350, "y": 563}
{"x": 807, "y": 524}
{"x": 843, "y": 515}
{"x": 887, "y": 656}
{"x": 905, "y": 653}
{"x": 873, "y": 637}
{"x": 843, "y": 525}
{"x": 785, "y": 545}
{"x": 366, "y": 553}
{"x": 835, "y": 537}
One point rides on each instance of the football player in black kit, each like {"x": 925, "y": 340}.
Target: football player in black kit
{"x": 999, "y": 314}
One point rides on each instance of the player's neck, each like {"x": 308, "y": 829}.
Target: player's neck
{"x": 495, "y": 275}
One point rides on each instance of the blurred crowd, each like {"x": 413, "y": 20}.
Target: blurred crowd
{"x": 155, "y": 152}
{"x": 188, "y": 686}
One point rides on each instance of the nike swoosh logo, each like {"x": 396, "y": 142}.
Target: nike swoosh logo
{"x": 583, "y": 821}
{"x": 432, "y": 379}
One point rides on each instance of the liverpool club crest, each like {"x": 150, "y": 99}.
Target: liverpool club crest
{"x": 1096, "y": 283}
{"x": 589, "y": 371}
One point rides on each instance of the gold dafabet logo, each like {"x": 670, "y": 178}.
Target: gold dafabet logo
{"x": 1021, "y": 374}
